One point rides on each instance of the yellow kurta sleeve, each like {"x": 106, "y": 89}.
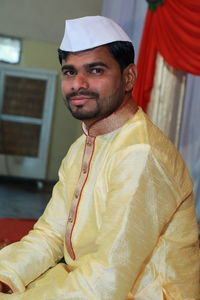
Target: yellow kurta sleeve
{"x": 42, "y": 248}
{"x": 142, "y": 199}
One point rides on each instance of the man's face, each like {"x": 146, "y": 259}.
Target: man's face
{"x": 93, "y": 85}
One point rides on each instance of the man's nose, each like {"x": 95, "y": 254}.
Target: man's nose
{"x": 80, "y": 81}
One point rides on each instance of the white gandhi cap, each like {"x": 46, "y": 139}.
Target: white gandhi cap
{"x": 89, "y": 32}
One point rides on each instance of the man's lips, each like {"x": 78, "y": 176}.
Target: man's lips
{"x": 79, "y": 100}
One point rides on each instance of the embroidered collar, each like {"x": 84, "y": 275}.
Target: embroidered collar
{"x": 112, "y": 122}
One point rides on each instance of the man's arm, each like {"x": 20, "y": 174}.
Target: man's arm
{"x": 22, "y": 262}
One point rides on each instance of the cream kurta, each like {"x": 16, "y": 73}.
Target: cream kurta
{"x": 122, "y": 214}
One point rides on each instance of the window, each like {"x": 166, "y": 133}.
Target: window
{"x": 10, "y": 49}
{"x": 26, "y": 109}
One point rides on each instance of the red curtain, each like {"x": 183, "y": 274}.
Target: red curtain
{"x": 173, "y": 30}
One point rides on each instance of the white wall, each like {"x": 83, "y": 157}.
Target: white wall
{"x": 42, "y": 20}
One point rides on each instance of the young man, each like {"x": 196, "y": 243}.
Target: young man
{"x": 122, "y": 213}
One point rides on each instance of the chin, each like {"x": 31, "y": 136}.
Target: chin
{"x": 82, "y": 115}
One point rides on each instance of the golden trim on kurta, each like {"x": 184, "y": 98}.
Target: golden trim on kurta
{"x": 87, "y": 157}
{"x": 112, "y": 122}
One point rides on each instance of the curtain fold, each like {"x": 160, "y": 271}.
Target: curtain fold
{"x": 173, "y": 30}
{"x": 165, "y": 108}
{"x": 189, "y": 144}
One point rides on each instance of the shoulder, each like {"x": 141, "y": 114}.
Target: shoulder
{"x": 140, "y": 145}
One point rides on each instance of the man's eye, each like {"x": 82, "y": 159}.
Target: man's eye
{"x": 96, "y": 70}
{"x": 69, "y": 73}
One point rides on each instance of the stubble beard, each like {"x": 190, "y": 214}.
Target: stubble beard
{"x": 79, "y": 112}
{"x": 104, "y": 106}
{"x": 82, "y": 115}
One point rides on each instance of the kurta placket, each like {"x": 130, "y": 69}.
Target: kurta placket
{"x": 87, "y": 157}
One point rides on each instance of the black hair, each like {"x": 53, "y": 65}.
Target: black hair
{"x": 123, "y": 53}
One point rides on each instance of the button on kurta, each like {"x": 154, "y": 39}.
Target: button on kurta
{"x": 70, "y": 219}
{"x": 84, "y": 171}
{"x": 88, "y": 143}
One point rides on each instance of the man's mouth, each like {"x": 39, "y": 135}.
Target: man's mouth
{"x": 79, "y": 100}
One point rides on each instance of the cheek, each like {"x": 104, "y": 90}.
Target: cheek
{"x": 107, "y": 87}
{"x": 64, "y": 87}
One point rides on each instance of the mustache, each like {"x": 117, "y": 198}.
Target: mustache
{"x": 82, "y": 93}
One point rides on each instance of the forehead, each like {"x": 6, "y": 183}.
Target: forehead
{"x": 98, "y": 54}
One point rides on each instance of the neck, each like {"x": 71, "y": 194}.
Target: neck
{"x": 113, "y": 121}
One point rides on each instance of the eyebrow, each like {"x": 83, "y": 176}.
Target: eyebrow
{"x": 67, "y": 67}
{"x": 90, "y": 65}
{"x": 95, "y": 64}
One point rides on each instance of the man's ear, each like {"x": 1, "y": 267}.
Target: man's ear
{"x": 130, "y": 75}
